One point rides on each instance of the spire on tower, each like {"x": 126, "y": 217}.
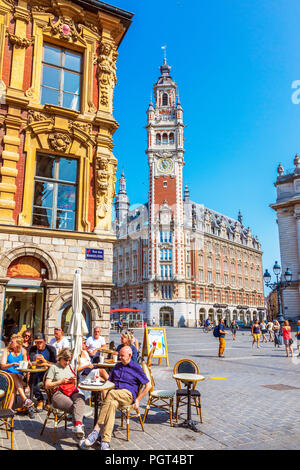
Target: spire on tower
{"x": 186, "y": 193}
{"x": 122, "y": 183}
{"x": 240, "y": 218}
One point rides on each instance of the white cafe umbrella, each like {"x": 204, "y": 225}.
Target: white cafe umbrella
{"x": 77, "y": 327}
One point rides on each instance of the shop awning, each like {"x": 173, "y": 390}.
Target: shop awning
{"x": 125, "y": 310}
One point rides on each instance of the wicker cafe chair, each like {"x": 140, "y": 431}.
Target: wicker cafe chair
{"x": 162, "y": 399}
{"x": 7, "y": 415}
{"x": 54, "y": 414}
{"x": 126, "y": 413}
{"x": 149, "y": 360}
{"x": 187, "y": 366}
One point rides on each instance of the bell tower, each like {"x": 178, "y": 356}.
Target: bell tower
{"x": 166, "y": 160}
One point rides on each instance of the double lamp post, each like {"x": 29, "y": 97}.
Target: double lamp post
{"x": 278, "y": 285}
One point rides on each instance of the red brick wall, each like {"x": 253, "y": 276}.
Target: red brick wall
{"x": 167, "y": 193}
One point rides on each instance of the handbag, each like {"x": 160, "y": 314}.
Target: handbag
{"x": 68, "y": 389}
{"x": 291, "y": 341}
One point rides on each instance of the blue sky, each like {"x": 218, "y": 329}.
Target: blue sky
{"x": 234, "y": 62}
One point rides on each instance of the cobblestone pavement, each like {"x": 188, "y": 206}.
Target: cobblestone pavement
{"x": 255, "y": 407}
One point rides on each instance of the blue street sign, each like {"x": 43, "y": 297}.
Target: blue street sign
{"x": 94, "y": 253}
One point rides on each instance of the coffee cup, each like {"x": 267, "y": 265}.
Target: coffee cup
{"x": 115, "y": 358}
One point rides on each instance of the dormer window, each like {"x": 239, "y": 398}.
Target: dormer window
{"x": 165, "y": 99}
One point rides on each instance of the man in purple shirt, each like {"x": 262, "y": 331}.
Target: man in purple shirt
{"x": 127, "y": 376}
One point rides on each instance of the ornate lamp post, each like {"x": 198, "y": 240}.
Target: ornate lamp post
{"x": 278, "y": 285}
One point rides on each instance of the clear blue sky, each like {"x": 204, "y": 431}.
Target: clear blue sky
{"x": 234, "y": 62}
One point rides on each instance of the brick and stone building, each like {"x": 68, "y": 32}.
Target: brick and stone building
{"x": 175, "y": 259}
{"x": 287, "y": 207}
{"x": 57, "y": 168}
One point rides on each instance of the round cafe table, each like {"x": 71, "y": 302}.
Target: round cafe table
{"x": 32, "y": 371}
{"x": 96, "y": 389}
{"x": 188, "y": 380}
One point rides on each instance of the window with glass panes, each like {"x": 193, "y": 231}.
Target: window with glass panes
{"x": 55, "y": 189}
{"x": 61, "y": 79}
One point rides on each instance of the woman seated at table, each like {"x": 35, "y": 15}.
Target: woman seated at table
{"x": 86, "y": 369}
{"x": 28, "y": 340}
{"x": 11, "y": 358}
{"x": 127, "y": 340}
{"x": 61, "y": 381}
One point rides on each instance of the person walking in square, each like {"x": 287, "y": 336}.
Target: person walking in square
{"x": 255, "y": 331}
{"x": 222, "y": 333}
{"x": 234, "y": 327}
{"x": 287, "y": 338}
{"x": 277, "y": 337}
{"x": 264, "y": 331}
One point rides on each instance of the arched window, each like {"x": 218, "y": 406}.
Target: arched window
{"x": 171, "y": 138}
{"x": 165, "y": 99}
{"x": 165, "y": 138}
{"x": 158, "y": 139}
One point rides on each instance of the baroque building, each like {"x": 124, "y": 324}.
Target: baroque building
{"x": 57, "y": 168}
{"x": 287, "y": 207}
{"x": 174, "y": 259}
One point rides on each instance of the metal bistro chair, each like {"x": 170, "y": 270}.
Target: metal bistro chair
{"x": 187, "y": 366}
{"x": 7, "y": 415}
{"x": 54, "y": 414}
{"x": 126, "y": 413}
{"x": 165, "y": 397}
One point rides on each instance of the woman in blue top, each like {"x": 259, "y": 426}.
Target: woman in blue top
{"x": 127, "y": 340}
{"x": 298, "y": 337}
{"x": 12, "y": 356}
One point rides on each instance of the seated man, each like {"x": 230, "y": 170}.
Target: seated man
{"x": 43, "y": 355}
{"x": 94, "y": 344}
{"x": 59, "y": 342}
{"x": 127, "y": 376}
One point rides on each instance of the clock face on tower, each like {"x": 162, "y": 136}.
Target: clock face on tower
{"x": 165, "y": 165}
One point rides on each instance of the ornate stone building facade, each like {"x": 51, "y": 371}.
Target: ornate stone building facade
{"x": 57, "y": 79}
{"x": 287, "y": 208}
{"x": 174, "y": 259}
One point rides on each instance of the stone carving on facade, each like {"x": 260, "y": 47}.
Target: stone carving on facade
{"x": 59, "y": 141}
{"x": 36, "y": 116}
{"x": 18, "y": 41}
{"x": 280, "y": 169}
{"x": 106, "y": 69}
{"x": 105, "y": 185}
{"x": 83, "y": 126}
{"x": 65, "y": 28}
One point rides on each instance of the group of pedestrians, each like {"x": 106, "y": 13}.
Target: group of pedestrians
{"x": 277, "y": 334}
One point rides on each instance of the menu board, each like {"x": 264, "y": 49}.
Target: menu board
{"x": 156, "y": 337}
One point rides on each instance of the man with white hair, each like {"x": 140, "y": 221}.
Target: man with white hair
{"x": 127, "y": 376}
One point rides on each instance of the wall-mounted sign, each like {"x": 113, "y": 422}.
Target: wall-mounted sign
{"x": 94, "y": 253}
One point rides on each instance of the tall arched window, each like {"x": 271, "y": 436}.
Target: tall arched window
{"x": 165, "y": 138}
{"x": 171, "y": 138}
{"x": 165, "y": 99}
{"x": 158, "y": 139}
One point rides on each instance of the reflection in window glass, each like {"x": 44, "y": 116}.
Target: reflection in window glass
{"x": 54, "y": 204}
{"x": 61, "y": 77}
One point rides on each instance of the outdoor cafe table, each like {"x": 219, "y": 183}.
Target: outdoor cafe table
{"x": 96, "y": 389}
{"x": 32, "y": 371}
{"x": 188, "y": 380}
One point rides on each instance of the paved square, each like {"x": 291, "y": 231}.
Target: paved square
{"x": 255, "y": 407}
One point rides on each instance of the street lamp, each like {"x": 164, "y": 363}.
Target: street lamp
{"x": 278, "y": 285}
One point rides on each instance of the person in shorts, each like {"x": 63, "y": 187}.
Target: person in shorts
{"x": 264, "y": 331}
{"x": 255, "y": 331}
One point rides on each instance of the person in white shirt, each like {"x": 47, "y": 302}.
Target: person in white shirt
{"x": 95, "y": 343}
{"x": 270, "y": 330}
{"x": 59, "y": 342}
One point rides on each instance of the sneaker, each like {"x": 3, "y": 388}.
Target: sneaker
{"x": 39, "y": 406}
{"x": 79, "y": 431}
{"x": 91, "y": 439}
{"x": 105, "y": 446}
{"x": 31, "y": 412}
